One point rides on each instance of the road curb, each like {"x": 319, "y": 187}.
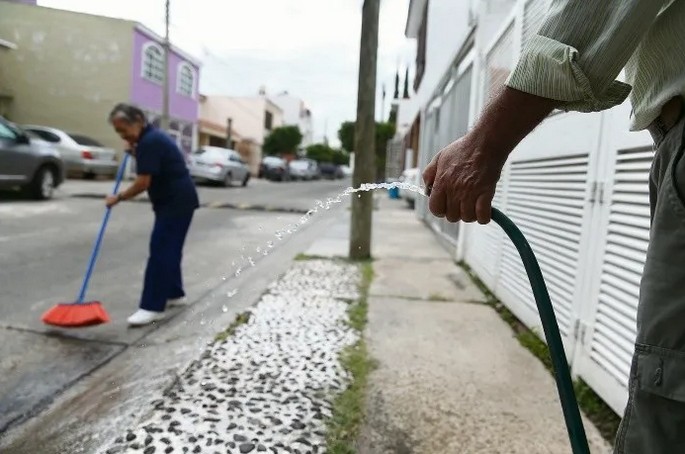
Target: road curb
{"x": 214, "y": 205}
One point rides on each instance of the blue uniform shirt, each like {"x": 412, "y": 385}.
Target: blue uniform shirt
{"x": 172, "y": 191}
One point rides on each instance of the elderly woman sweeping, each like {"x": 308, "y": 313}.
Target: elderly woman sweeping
{"x": 161, "y": 170}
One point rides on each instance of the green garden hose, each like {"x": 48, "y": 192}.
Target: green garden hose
{"x": 569, "y": 405}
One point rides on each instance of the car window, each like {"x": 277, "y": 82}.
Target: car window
{"x": 45, "y": 135}
{"x": 85, "y": 140}
{"x": 7, "y": 133}
{"x": 210, "y": 153}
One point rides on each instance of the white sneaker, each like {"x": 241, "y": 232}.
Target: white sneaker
{"x": 177, "y": 302}
{"x": 142, "y": 317}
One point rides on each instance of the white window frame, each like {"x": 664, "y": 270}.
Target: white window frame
{"x": 143, "y": 59}
{"x": 179, "y": 72}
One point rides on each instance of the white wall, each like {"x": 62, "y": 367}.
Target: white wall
{"x": 447, "y": 29}
{"x": 294, "y": 115}
{"x": 247, "y": 114}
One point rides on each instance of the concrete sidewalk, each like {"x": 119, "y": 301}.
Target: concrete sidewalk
{"x": 452, "y": 378}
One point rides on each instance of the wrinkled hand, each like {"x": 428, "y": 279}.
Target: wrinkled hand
{"x": 462, "y": 180}
{"x": 111, "y": 200}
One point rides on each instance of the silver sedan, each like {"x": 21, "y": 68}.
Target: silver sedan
{"x": 82, "y": 155}
{"x": 219, "y": 165}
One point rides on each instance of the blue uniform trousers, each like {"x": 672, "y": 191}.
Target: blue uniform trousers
{"x": 163, "y": 279}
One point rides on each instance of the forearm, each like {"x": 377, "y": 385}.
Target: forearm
{"x": 139, "y": 186}
{"x": 506, "y": 120}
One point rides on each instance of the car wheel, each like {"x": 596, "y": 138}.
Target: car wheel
{"x": 246, "y": 180}
{"x": 43, "y": 185}
{"x": 228, "y": 179}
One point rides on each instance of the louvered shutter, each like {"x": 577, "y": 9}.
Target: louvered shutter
{"x": 613, "y": 333}
{"x": 546, "y": 199}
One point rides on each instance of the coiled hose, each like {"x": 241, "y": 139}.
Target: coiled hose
{"x": 569, "y": 405}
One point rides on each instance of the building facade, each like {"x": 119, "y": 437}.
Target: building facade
{"x": 577, "y": 187}
{"x": 296, "y": 113}
{"x": 67, "y": 70}
{"x": 252, "y": 118}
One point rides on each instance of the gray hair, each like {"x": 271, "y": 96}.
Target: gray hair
{"x": 127, "y": 112}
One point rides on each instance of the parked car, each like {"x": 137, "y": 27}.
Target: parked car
{"x": 219, "y": 165}
{"x": 413, "y": 177}
{"x": 331, "y": 171}
{"x": 304, "y": 169}
{"x": 82, "y": 155}
{"x": 28, "y": 164}
{"x": 274, "y": 169}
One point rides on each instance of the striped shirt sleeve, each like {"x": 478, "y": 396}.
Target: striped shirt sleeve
{"x": 580, "y": 50}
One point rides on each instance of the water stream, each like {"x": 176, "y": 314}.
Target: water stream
{"x": 248, "y": 261}
{"x": 320, "y": 206}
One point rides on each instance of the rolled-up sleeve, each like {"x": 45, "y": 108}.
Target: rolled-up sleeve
{"x": 580, "y": 50}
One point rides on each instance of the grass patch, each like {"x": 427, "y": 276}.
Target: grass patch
{"x": 240, "y": 319}
{"x": 305, "y": 257}
{"x": 348, "y": 407}
{"x": 437, "y": 297}
{"x": 596, "y": 410}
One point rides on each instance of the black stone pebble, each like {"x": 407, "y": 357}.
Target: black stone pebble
{"x": 246, "y": 447}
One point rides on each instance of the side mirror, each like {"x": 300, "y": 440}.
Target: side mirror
{"x": 23, "y": 139}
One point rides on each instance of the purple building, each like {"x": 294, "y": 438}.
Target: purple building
{"x": 67, "y": 70}
{"x": 147, "y": 81}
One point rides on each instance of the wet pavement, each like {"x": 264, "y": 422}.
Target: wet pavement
{"x": 44, "y": 249}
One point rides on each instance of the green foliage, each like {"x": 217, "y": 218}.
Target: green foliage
{"x": 346, "y": 135}
{"x": 321, "y": 152}
{"x": 282, "y": 140}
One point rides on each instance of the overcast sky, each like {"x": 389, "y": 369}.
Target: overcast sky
{"x": 308, "y": 47}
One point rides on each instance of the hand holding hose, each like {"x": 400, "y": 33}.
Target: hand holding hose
{"x": 461, "y": 181}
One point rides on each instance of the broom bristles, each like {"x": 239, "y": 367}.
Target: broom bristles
{"x": 73, "y": 315}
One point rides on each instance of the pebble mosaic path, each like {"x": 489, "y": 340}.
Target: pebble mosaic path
{"x": 267, "y": 388}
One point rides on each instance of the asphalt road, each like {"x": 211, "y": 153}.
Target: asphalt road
{"x": 44, "y": 247}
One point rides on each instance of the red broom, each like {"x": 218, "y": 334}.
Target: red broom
{"x": 82, "y": 313}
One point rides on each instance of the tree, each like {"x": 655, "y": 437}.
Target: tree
{"x": 384, "y": 132}
{"x": 320, "y": 152}
{"x": 346, "y": 135}
{"x": 341, "y": 158}
{"x": 285, "y": 139}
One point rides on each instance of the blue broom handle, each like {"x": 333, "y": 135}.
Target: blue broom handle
{"x": 101, "y": 233}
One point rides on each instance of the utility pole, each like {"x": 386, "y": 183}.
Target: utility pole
{"x": 229, "y": 133}
{"x": 165, "y": 95}
{"x": 365, "y": 133}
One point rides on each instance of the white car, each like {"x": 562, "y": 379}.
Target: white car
{"x": 219, "y": 165}
{"x": 82, "y": 155}
{"x": 413, "y": 177}
{"x": 304, "y": 169}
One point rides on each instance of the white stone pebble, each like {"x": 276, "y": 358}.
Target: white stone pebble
{"x": 269, "y": 387}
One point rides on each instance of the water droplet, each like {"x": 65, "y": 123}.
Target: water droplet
{"x": 232, "y": 293}
{"x": 359, "y": 196}
{"x": 224, "y": 308}
{"x": 203, "y": 383}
